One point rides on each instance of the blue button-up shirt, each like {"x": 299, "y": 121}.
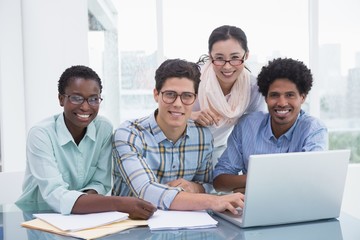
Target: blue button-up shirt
{"x": 253, "y": 135}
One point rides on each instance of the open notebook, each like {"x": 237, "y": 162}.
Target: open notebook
{"x": 76, "y": 222}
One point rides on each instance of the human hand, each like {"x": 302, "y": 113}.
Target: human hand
{"x": 240, "y": 190}
{"x": 206, "y": 117}
{"x": 228, "y": 202}
{"x": 187, "y": 186}
{"x": 137, "y": 208}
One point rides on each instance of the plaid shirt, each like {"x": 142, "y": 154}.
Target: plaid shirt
{"x": 145, "y": 160}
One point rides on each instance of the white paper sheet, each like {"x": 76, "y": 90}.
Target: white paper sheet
{"x": 170, "y": 220}
{"x": 75, "y": 222}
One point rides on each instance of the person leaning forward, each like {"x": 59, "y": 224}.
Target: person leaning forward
{"x": 165, "y": 158}
{"x": 68, "y": 164}
{"x": 285, "y": 84}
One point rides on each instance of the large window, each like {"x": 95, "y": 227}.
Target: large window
{"x": 104, "y": 55}
{"x": 339, "y": 73}
{"x": 151, "y": 31}
{"x": 139, "y": 52}
{"x": 312, "y": 31}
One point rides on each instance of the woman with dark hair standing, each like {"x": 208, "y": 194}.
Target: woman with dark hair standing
{"x": 227, "y": 89}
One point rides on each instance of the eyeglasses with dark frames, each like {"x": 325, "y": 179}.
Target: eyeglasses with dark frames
{"x": 232, "y": 62}
{"x": 77, "y": 100}
{"x": 187, "y": 98}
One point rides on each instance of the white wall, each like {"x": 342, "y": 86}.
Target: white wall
{"x": 13, "y": 179}
{"x": 39, "y": 39}
{"x": 55, "y": 37}
{"x": 12, "y": 108}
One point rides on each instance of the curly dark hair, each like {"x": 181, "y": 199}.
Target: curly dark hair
{"x": 177, "y": 68}
{"x": 77, "y": 71}
{"x": 294, "y": 70}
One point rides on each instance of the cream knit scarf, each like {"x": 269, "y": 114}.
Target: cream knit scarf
{"x": 211, "y": 95}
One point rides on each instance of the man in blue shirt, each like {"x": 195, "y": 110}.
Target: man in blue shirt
{"x": 165, "y": 158}
{"x": 68, "y": 163}
{"x": 284, "y": 83}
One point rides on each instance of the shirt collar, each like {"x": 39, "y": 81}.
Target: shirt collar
{"x": 64, "y": 134}
{"x": 269, "y": 134}
{"x": 156, "y": 130}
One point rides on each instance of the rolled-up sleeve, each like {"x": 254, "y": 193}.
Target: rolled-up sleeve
{"x": 44, "y": 169}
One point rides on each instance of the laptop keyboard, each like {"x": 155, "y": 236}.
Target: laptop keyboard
{"x": 234, "y": 218}
{"x": 240, "y": 212}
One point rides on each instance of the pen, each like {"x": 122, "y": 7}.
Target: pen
{"x": 182, "y": 189}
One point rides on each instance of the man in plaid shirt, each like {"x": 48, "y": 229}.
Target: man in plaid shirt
{"x": 165, "y": 158}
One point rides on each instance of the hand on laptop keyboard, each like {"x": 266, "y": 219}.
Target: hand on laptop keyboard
{"x": 226, "y": 202}
{"x": 240, "y": 211}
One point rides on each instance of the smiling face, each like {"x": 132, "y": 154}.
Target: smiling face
{"x": 172, "y": 118}
{"x": 78, "y": 116}
{"x": 229, "y": 49}
{"x": 284, "y": 104}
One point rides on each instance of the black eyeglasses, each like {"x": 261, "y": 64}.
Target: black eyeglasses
{"x": 187, "y": 98}
{"x": 77, "y": 100}
{"x": 233, "y": 62}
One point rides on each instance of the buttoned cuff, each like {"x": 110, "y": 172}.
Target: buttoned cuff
{"x": 68, "y": 200}
{"x": 170, "y": 196}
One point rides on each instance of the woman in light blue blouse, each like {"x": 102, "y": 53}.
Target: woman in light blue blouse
{"x": 69, "y": 155}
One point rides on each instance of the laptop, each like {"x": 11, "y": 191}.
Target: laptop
{"x": 329, "y": 229}
{"x": 293, "y": 187}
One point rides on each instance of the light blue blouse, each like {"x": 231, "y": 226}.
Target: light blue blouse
{"x": 58, "y": 170}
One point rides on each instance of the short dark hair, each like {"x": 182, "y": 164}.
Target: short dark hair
{"x": 177, "y": 68}
{"x": 294, "y": 70}
{"x": 78, "y": 71}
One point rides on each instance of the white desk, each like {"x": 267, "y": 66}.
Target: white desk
{"x": 344, "y": 228}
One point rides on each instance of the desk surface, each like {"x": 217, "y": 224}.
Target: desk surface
{"x": 345, "y": 227}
